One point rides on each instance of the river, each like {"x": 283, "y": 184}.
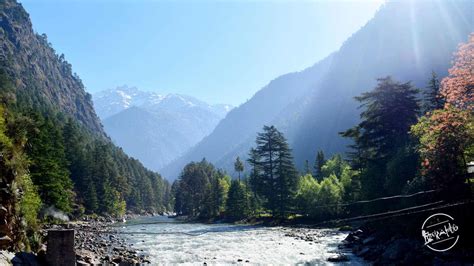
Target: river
{"x": 168, "y": 241}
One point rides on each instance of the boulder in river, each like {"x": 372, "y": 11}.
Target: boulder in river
{"x": 338, "y": 258}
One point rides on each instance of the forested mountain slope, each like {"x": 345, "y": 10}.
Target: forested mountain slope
{"x": 242, "y": 123}
{"x": 40, "y": 75}
{"x": 54, "y": 153}
{"x": 405, "y": 39}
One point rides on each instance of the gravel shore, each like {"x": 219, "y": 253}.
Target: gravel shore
{"x": 98, "y": 242}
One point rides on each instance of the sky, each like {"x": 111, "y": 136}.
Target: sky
{"x": 216, "y": 51}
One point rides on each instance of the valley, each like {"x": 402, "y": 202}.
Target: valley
{"x": 341, "y": 161}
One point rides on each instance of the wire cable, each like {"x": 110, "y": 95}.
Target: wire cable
{"x": 377, "y": 199}
{"x": 396, "y": 213}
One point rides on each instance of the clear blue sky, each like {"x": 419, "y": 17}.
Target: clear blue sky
{"x": 217, "y": 51}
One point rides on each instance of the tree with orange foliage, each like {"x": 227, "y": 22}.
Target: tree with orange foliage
{"x": 458, "y": 87}
{"x": 446, "y": 136}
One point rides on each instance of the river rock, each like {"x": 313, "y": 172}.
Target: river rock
{"x": 338, "y": 258}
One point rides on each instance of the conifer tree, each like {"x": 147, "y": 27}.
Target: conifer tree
{"x": 49, "y": 166}
{"x": 255, "y": 181}
{"x": 194, "y": 188}
{"x": 238, "y": 166}
{"x": 433, "y": 99}
{"x": 216, "y": 195}
{"x": 306, "y": 170}
{"x": 383, "y": 133}
{"x": 318, "y": 164}
{"x": 273, "y": 170}
{"x": 237, "y": 206}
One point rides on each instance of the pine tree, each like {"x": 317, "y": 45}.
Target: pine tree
{"x": 306, "y": 170}
{"x": 274, "y": 172}
{"x": 89, "y": 195}
{"x": 287, "y": 180}
{"x": 194, "y": 188}
{"x": 49, "y": 166}
{"x": 176, "y": 191}
{"x": 389, "y": 111}
{"x": 216, "y": 196}
{"x": 318, "y": 164}
{"x": 255, "y": 181}
{"x": 238, "y": 166}
{"x": 79, "y": 166}
{"x": 433, "y": 100}
{"x": 237, "y": 206}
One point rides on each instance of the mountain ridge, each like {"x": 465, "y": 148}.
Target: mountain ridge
{"x": 111, "y": 101}
{"x": 243, "y": 122}
{"x": 311, "y": 121}
{"x": 33, "y": 64}
{"x": 156, "y": 128}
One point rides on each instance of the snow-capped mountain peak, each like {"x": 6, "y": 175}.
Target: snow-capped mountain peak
{"x": 113, "y": 101}
{"x": 155, "y": 128}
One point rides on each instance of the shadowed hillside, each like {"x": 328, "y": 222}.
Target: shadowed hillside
{"x": 405, "y": 39}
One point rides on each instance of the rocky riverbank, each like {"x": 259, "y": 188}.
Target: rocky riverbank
{"x": 97, "y": 242}
{"x": 398, "y": 240}
{"x": 312, "y": 236}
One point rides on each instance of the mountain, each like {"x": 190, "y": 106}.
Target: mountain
{"x": 110, "y": 102}
{"x": 33, "y": 64}
{"x": 405, "y": 39}
{"x": 54, "y": 152}
{"x": 154, "y": 128}
{"x": 237, "y": 130}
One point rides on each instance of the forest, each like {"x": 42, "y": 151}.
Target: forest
{"x": 408, "y": 142}
{"x": 52, "y": 163}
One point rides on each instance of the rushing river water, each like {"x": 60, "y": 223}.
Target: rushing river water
{"x": 168, "y": 241}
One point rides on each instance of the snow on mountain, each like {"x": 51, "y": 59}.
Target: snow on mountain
{"x": 110, "y": 102}
{"x": 156, "y": 128}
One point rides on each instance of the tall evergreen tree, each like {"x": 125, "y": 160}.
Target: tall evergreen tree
{"x": 254, "y": 180}
{"x": 273, "y": 170}
{"x": 318, "y": 165}
{"x": 48, "y": 169}
{"x": 433, "y": 100}
{"x": 237, "y": 206}
{"x": 287, "y": 177}
{"x": 238, "y": 166}
{"x": 216, "y": 195}
{"x": 389, "y": 111}
{"x": 176, "y": 191}
{"x": 254, "y": 183}
{"x": 306, "y": 169}
{"x": 194, "y": 187}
